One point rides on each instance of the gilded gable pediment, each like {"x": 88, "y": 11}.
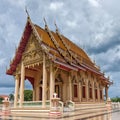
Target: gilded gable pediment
{"x": 33, "y": 51}
{"x": 32, "y": 44}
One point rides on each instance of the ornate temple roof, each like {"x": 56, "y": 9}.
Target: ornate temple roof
{"x": 59, "y": 48}
{"x": 74, "y": 48}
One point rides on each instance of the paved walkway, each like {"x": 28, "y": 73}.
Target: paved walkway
{"x": 116, "y": 115}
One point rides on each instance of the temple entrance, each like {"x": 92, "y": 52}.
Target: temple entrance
{"x": 57, "y": 90}
{"x": 58, "y": 86}
{"x": 40, "y": 93}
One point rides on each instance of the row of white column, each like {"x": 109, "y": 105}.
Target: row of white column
{"x": 21, "y": 83}
{"x": 52, "y": 84}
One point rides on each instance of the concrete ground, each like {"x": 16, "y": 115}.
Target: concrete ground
{"x": 67, "y": 116}
{"x": 115, "y": 116}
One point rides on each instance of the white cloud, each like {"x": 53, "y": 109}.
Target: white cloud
{"x": 56, "y": 5}
{"x": 95, "y": 3}
{"x": 71, "y": 23}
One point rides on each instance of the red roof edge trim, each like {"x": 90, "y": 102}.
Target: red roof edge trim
{"x": 79, "y": 67}
{"x": 91, "y": 69}
{"x": 20, "y": 50}
{"x": 65, "y": 66}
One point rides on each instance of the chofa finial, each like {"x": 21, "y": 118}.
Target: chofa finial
{"x": 45, "y": 21}
{"x": 56, "y": 26}
{"x": 27, "y": 12}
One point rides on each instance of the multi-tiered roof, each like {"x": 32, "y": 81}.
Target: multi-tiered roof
{"x": 58, "y": 48}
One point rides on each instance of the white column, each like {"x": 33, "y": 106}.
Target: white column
{"x": 93, "y": 91}
{"x": 106, "y": 92}
{"x": 22, "y": 84}
{"x": 98, "y": 92}
{"x": 79, "y": 91}
{"x": 87, "y": 88}
{"x": 37, "y": 87}
{"x": 70, "y": 87}
{"x": 16, "y": 90}
{"x": 44, "y": 82}
{"x": 33, "y": 94}
{"x": 52, "y": 82}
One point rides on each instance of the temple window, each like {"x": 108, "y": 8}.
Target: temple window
{"x": 90, "y": 90}
{"x": 83, "y": 89}
{"x": 75, "y": 87}
{"x": 75, "y": 91}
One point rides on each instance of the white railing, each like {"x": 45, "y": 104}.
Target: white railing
{"x": 71, "y": 105}
{"x": 115, "y": 105}
{"x": 61, "y": 106}
{"x": 34, "y": 103}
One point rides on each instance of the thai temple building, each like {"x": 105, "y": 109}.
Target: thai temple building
{"x": 54, "y": 64}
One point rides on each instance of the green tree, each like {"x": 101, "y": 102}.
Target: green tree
{"x": 28, "y": 95}
{"x": 1, "y": 99}
{"x": 11, "y": 97}
{"x": 115, "y": 99}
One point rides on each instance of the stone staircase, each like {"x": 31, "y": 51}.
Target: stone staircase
{"x": 78, "y": 110}
{"x": 30, "y": 111}
{"x": 87, "y": 110}
{"x": 87, "y": 106}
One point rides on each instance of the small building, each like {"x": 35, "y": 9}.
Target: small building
{"x": 4, "y": 96}
{"x": 54, "y": 64}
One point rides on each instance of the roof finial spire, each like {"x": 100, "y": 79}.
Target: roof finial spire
{"x": 45, "y": 22}
{"x": 56, "y": 26}
{"x": 27, "y": 12}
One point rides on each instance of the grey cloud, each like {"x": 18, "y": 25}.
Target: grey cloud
{"x": 78, "y": 20}
{"x": 114, "y": 67}
{"x": 106, "y": 45}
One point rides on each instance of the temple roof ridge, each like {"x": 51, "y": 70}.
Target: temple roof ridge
{"x": 39, "y": 32}
{"x": 55, "y": 42}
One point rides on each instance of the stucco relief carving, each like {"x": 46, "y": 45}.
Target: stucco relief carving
{"x": 18, "y": 69}
{"x": 33, "y": 52}
{"x": 74, "y": 80}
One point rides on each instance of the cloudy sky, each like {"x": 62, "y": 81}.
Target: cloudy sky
{"x": 94, "y": 25}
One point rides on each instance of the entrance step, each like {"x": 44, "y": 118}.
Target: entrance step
{"x": 28, "y": 111}
{"x": 86, "y": 110}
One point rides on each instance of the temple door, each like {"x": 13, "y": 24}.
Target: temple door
{"x": 57, "y": 90}
{"x": 40, "y": 93}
